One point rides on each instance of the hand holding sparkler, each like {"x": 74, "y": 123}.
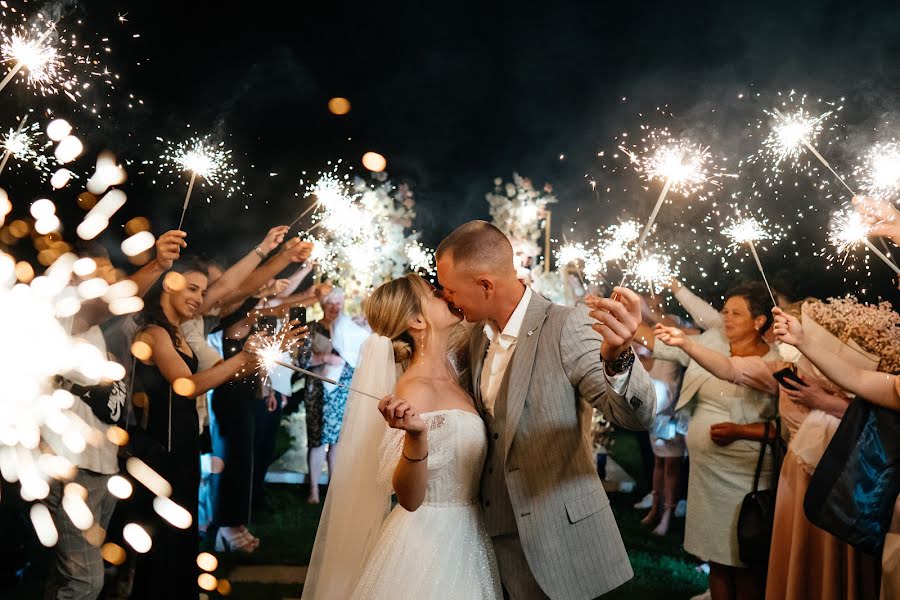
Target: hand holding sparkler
{"x": 400, "y": 414}
{"x": 273, "y": 239}
{"x": 168, "y": 248}
{"x": 297, "y": 251}
{"x": 672, "y": 336}
{"x": 617, "y": 319}
{"x": 787, "y": 329}
{"x": 850, "y": 229}
{"x": 883, "y": 218}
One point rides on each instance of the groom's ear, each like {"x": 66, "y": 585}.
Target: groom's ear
{"x": 487, "y": 286}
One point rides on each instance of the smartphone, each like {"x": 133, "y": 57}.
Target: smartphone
{"x": 267, "y": 324}
{"x": 297, "y": 313}
{"x": 787, "y": 375}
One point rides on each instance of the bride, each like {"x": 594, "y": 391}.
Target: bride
{"x": 433, "y": 543}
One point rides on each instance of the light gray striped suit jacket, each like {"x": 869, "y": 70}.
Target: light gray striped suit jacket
{"x": 540, "y": 478}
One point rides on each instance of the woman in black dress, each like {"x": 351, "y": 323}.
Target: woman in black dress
{"x": 170, "y": 382}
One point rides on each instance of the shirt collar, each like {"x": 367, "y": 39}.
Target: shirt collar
{"x": 510, "y": 333}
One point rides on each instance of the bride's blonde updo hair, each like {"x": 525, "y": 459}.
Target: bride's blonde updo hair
{"x": 390, "y": 308}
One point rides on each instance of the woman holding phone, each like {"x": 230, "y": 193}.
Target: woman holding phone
{"x": 804, "y": 561}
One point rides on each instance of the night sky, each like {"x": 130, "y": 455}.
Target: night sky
{"x": 454, "y": 94}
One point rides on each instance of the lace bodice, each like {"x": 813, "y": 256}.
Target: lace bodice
{"x": 457, "y": 446}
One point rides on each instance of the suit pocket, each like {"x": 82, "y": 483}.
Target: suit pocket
{"x": 581, "y": 508}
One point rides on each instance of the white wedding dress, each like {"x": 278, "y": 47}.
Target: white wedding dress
{"x": 441, "y": 550}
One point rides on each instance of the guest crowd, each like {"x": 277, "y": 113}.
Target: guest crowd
{"x": 750, "y": 399}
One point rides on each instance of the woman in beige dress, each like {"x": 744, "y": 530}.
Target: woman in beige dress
{"x": 723, "y": 440}
{"x": 806, "y": 562}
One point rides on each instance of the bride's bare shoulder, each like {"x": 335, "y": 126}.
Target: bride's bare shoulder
{"x": 418, "y": 391}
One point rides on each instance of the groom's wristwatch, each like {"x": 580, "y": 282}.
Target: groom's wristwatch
{"x": 621, "y": 364}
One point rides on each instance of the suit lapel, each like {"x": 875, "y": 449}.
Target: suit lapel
{"x": 518, "y": 376}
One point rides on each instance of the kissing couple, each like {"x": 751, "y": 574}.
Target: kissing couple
{"x": 482, "y": 436}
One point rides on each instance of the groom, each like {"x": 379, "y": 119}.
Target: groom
{"x": 537, "y": 369}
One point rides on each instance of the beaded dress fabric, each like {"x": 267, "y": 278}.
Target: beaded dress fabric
{"x": 441, "y": 550}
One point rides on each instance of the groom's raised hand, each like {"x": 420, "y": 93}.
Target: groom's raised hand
{"x": 617, "y": 319}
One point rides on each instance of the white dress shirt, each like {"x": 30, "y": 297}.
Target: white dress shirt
{"x": 500, "y": 352}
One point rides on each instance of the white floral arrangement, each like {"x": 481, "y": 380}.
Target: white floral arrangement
{"x": 382, "y": 248}
{"x": 554, "y": 286}
{"x": 518, "y": 209}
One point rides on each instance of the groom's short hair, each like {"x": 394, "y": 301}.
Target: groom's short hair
{"x": 478, "y": 245}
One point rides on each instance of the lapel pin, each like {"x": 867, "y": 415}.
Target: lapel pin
{"x": 530, "y": 332}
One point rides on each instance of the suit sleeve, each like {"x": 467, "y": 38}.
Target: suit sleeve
{"x": 579, "y": 346}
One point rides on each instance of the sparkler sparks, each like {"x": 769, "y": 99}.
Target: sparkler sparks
{"x": 571, "y": 253}
{"x": 879, "y": 174}
{"x": 52, "y": 58}
{"x": 791, "y": 132}
{"x": 420, "y": 258}
{"x": 204, "y": 158}
{"x": 39, "y": 58}
{"x": 848, "y": 231}
{"x": 653, "y": 271}
{"x": 22, "y": 143}
{"x": 684, "y": 165}
{"x": 751, "y": 229}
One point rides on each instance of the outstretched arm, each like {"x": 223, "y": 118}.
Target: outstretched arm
{"x": 293, "y": 251}
{"x": 633, "y": 406}
{"x": 716, "y": 363}
{"x": 168, "y": 250}
{"x": 173, "y": 367}
{"x": 232, "y": 279}
{"x": 877, "y": 388}
{"x": 703, "y": 314}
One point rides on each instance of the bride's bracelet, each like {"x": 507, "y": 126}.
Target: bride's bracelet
{"x": 414, "y": 460}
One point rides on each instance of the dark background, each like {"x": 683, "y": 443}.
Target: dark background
{"x": 455, "y": 94}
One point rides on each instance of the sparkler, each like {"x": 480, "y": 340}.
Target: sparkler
{"x": 420, "y": 258}
{"x": 682, "y": 166}
{"x": 848, "y": 230}
{"x": 202, "y": 158}
{"x": 750, "y": 230}
{"x": 323, "y": 378}
{"x": 879, "y": 174}
{"x": 795, "y": 131}
{"x": 652, "y": 271}
{"x": 19, "y": 142}
{"x": 42, "y": 61}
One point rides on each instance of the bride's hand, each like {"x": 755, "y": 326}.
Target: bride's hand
{"x": 399, "y": 414}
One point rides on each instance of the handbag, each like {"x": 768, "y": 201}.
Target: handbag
{"x": 852, "y": 493}
{"x": 757, "y": 515}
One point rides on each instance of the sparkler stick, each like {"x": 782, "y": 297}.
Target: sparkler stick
{"x": 882, "y": 256}
{"x": 303, "y": 214}
{"x": 187, "y": 199}
{"x": 8, "y": 151}
{"x": 650, "y": 222}
{"x": 323, "y": 378}
{"x": 761, "y": 271}
{"x": 311, "y": 229}
{"x": 21, "y": 62}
